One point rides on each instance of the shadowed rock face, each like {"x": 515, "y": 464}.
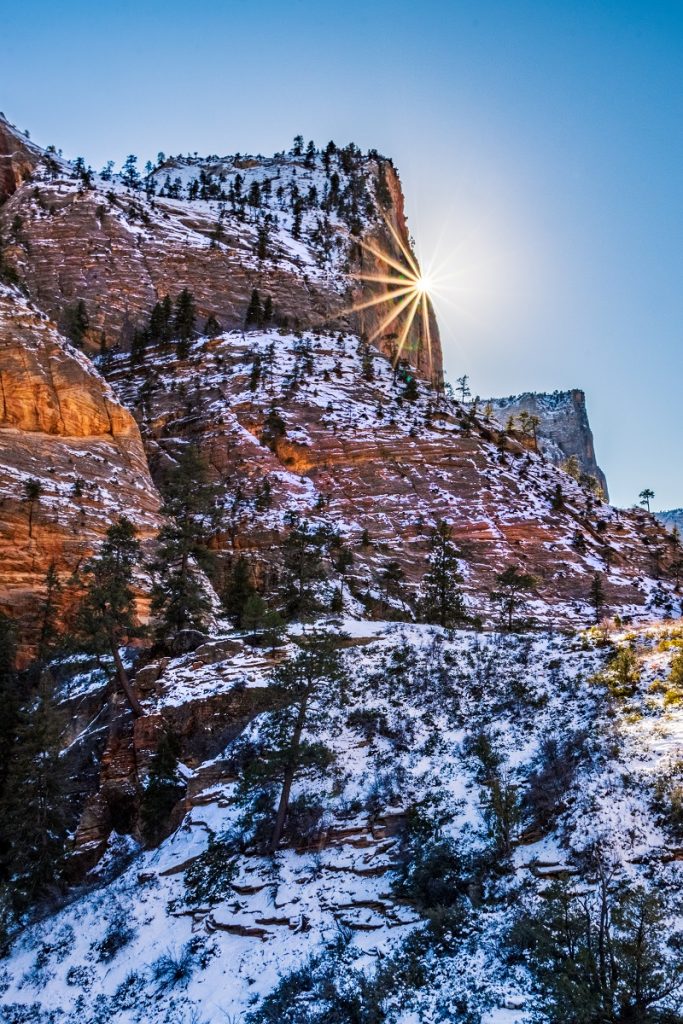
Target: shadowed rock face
{"x": 564, "y": 429}
{"x": 18, "y": 157}
{"x": 60, "y": 425}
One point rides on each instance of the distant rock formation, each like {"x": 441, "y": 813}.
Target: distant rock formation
{"x": 671, "y": 518}
{"x": 563, "y": 430}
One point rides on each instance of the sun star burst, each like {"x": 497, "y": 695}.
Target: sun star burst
{"x": 404, "y": 288}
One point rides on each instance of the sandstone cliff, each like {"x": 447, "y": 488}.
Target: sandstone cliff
{"x": 221, "y": 227}
{"x": 563, "y": 430}
{"x": 61, "y": 426}
{"x": 18, "y": 157}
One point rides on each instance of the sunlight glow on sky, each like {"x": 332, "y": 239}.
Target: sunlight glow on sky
{"x": 540, "y": 148}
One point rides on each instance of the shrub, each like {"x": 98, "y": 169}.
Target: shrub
{"x": 174, "y": 969}
{"x": 208, "y": 879}
{"x": 119, "y": 934}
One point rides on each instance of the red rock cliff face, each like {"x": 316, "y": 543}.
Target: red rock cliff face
{"x": 120, "y": 250}
{"x": 18, "y": 157}
{"x": 60, "y": 425}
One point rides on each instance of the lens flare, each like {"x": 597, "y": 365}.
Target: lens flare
{"x": 404, "y": 288}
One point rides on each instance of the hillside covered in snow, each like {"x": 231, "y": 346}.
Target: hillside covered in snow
{"x": 327, "y": 698}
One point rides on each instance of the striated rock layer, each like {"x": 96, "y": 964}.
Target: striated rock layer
{"x": 119, "y": 250}
{"x": 362, "y": 455}
{"x": 60, "y": 425}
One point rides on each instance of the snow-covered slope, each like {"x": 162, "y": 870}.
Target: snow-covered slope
{"x": 428, "y": 722}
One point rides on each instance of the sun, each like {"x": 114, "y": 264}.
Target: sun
{"x": 405, "y": 290}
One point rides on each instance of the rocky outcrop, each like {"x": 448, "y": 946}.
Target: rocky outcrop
{"x": 563, "y": 430}
{"x": 60, "y": 426}
{"x": 119, "y": 250}
{"x": 357, "y": 453}
{"x": 18, "y": 157}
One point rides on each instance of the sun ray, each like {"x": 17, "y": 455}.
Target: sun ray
{"x": 396, "y": 312}
{"x": 383, "y": 279}
{"x": 386, "y": 258}
{"x": 425, "y": 322}
{"x": 406, "y": 328}
{"x": 377, "y": 300}
{"x": 404, "y": 249}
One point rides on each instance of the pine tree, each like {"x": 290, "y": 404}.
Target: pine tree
{"x": 212, "y": 328}
{"x": 311, "y": 153}
{"x": 48, "y": 613}
{"x": 106, "y": 617}
{"x": 130, "y": 176}
{"x": 268, "y": 313}
{"x": 161, "y": 321}
{"x": 189, "y": 506}
{"x": 138, "y": 347}
{"x": 646, "y": 497}
{"x": 513, "y": 586}
{"x": 305, "y": 690}
{"x": 32, "y": 809}
{"x": 33, "y": 491}
{"x": 238, "y": 590}
{"x": 9, "y": 694}
{"x": 298, "y": 145}
{"x": 163, "y": 789}
{"x": 597, "y": 595}
{"x": 263, "y": 242}
{"x": 303, "y": 566}
{"x": 441, "y": 600}
{"x": 254, "y": 315}
{"x": 76, "y": 322}
{"x": 184, "y": 322}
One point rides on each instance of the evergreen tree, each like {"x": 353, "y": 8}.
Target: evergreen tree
{"x": 212, "y": 328}
{"x": 298, "y": 145}
{"x": 238, "y": 590}
{"x": 441, "y": 599}
{"x": 189, "y": 506}
{"x": 268, "y": 313}
{"x": 32, "y": 810}
{"x": 463, "y": 387}
{"x": 597, "y": 595}
{"x": 106, "y": 617}
{"x": 513, "y": 587}
{"x": 48, "y": 613}
{"x": 303, "y": 566}
{"x": 138, "y": 347}
{"x": 161, "y": 321}
{"x": 254, "y": 315}
{"x": 646, "y": 497}
{"x": 305, "y": 691}
{"x": 130, "y": 176}
{"x": 76, "y": 322}
{"x": 184, "y": 322}
{"x": 263, "y": 242}
{"x": 33, "y": 491}
{"x": 9, "y": 694}
{"x": 163, "y": 789}
{"x": 311, "y": 153}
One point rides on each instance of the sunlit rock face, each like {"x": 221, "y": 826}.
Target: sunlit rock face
{"x": 60, "y": 425}
{"x": 121, "y": 249}
{"x": 563, "y": 430}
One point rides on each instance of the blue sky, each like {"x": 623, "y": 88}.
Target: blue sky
{"x": 540, "y": 146}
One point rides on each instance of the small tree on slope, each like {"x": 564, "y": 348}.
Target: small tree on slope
{"x": 189, "y": 504}
{"x": 306, "y": 688}
{"x": 106, "y": 617}
{"x": 441, "y": 600}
